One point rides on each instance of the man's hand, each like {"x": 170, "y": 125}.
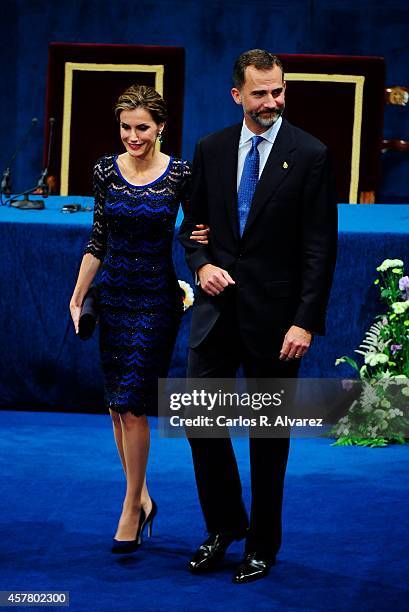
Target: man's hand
{"x": 296, "y": 343}
{"x": 214, "y": 280}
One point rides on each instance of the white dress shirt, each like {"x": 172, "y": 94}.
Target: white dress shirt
{"x": 264, "y": 148}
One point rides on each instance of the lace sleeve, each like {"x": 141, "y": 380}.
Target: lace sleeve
{"x": 186, "y": 186}
{"x": 97, "y": 242}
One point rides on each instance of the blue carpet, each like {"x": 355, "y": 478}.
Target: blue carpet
{"x": 345, "y": 524}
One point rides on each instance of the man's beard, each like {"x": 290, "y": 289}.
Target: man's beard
{"x": 266, "y": 119}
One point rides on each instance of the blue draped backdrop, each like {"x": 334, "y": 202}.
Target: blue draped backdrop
{"x": 213, "y": 33}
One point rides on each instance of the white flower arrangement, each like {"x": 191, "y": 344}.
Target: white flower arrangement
{"x": 400, "y": 307}
{"x": 189, "y": 297}
{"x": 380, "y": 415}
{"x": 389, "y": 263}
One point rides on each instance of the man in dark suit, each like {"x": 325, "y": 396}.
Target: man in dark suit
{"x": 265, "y": 189}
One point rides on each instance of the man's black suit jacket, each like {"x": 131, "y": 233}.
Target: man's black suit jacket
{"x": 283, "y": 264}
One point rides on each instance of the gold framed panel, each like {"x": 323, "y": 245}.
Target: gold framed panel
{"x": 69, "y": 68}
{"x": 358, "y": 81}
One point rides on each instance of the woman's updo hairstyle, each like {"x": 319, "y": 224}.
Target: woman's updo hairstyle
{"x": 145, "y": 97}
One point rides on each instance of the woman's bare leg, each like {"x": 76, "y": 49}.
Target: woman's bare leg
{"x": 135, "y": 442}
{"x": 146, "y": 501}
{"x": 117, "y": 427}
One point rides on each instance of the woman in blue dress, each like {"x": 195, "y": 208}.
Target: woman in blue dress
{"x": 137, "y": 195}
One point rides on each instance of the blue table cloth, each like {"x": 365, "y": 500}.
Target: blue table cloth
{"x": 44, "y": 365}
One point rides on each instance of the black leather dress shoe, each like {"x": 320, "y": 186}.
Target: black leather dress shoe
{"x": 253, "y": 567}
{"x": 210, "y": 554}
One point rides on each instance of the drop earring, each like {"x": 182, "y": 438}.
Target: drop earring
{"x": 160, "y": 137}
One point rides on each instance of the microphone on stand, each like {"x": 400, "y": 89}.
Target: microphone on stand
{"x": 6, "y": 179}
{"x": 6, "y": 183}
{"x": 41, "y": 187}
{"x": 42, "y": 181}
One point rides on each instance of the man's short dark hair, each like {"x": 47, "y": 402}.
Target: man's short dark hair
{"x": 260, "y": 59}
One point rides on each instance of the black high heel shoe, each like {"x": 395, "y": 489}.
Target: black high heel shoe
{"x": 124, "y": 547}
{"x": 149, "y": 519}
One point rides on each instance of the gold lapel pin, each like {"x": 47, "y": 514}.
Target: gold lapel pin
{"x": 285, "y": 165}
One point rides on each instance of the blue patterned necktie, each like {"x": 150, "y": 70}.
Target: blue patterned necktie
{"x": 248, "y": 182}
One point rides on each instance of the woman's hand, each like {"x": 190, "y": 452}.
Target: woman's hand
{"x": 201, "y": 235}
{"x": 88, "y": 269}
{"x": 75, "y": 310}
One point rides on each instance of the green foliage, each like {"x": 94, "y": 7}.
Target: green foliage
{"x": 349, "y": 361}
{"x": 351, "y": 440}
{"x": 380, "y": 415}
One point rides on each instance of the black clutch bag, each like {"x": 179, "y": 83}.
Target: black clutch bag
{"x": 89, "y": 313}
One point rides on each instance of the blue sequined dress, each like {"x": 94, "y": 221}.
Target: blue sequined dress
{"x": 141, "y": 303}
